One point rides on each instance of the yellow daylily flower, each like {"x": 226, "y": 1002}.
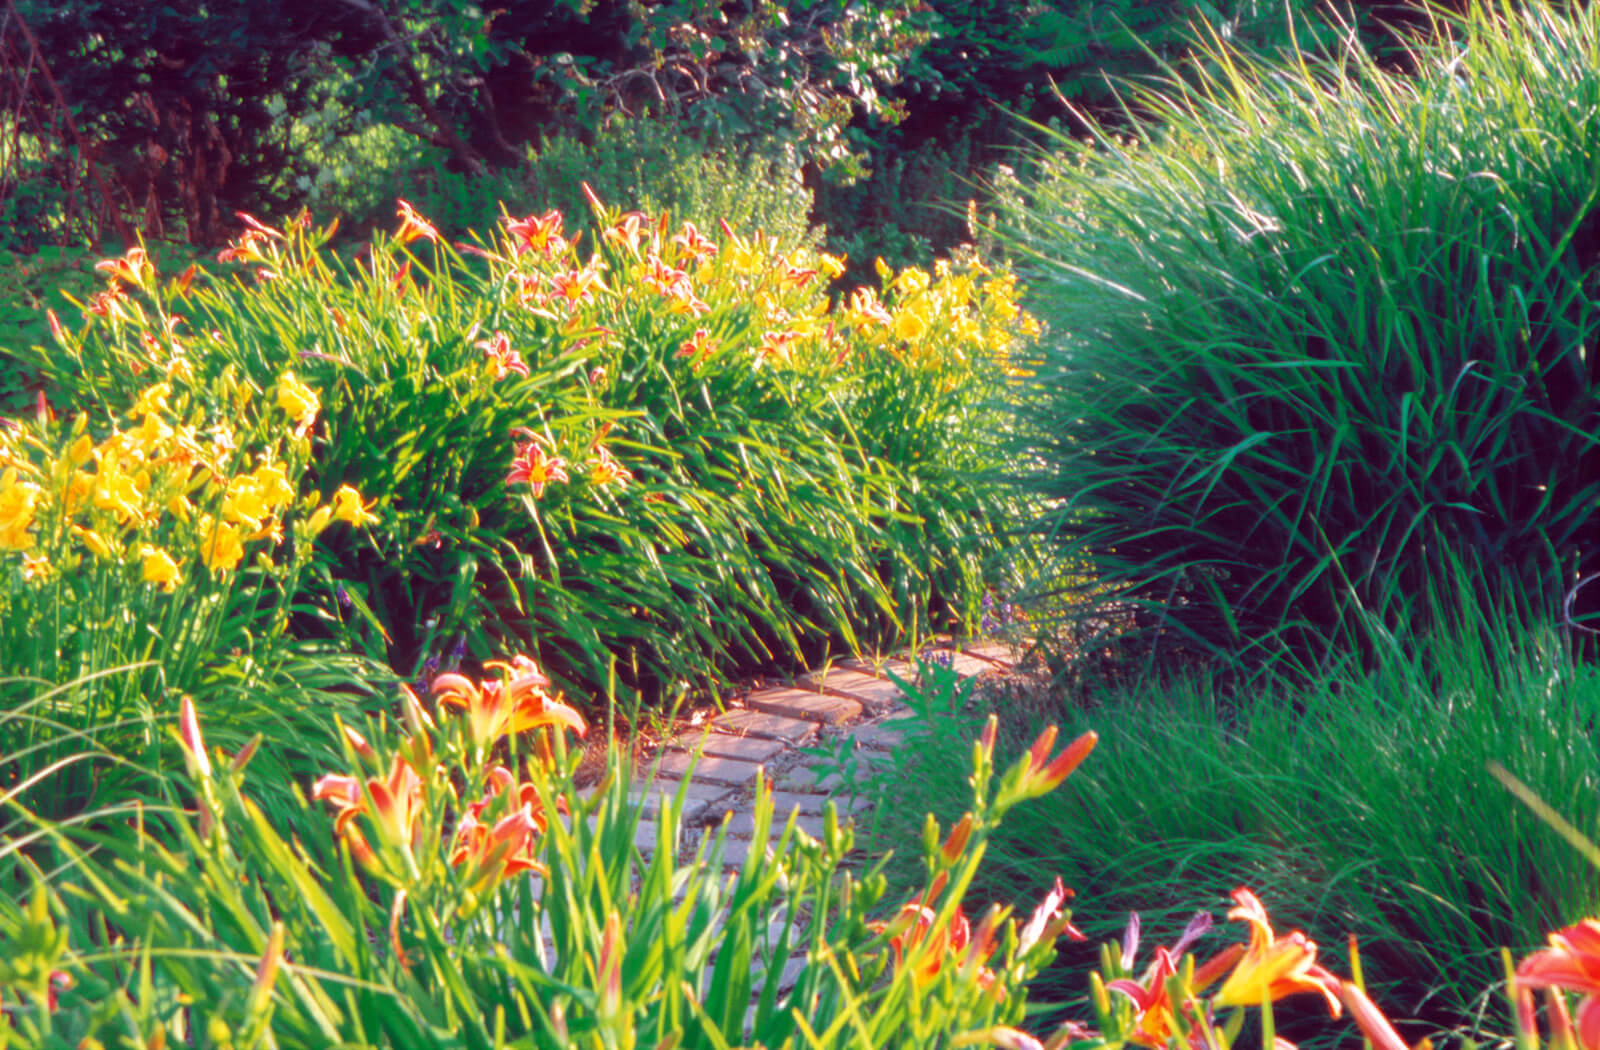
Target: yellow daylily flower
{"x": 347, "y": 506}
{"x": 159, "y": 568}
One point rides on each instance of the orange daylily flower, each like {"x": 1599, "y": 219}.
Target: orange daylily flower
{"x": 505, "y": 848}
{"x": 697, "y": 346}
{"x": 1274, "y": 967}
{"x": 695, "y": 245}
{"x": 911, "y": 931}
{"x": 1152, "y": 1000}
{"x": 413, "y": 226}
{"x": 132, "y": 266}
{"x": 1570, "y": 964}
{"x": 512, "y": 705}
{"x": 606, "y": 469}
{"x": 628, "y": 231}
{"x": 577, "y": 285}
{"x": 537, "y": 232}
{"x": 397, "y": 807}
{"x": 505, "y": 360}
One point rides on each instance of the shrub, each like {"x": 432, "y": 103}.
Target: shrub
{"x": 1319, "y": 328}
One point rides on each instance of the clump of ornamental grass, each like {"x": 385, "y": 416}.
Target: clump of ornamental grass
{"x": 1317, "y": 328}
{"x": 1361, "y": 803}
{"x": 662, "y": 450}
{"x": 157, "y": 553}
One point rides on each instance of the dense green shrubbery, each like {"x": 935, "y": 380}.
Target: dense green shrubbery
{"x": 653, "y": 163}
{"x": 665, "y": 452}
{"x": 1323, "y": 328}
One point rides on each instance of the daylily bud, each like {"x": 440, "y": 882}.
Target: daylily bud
{"x": 245, "y": 754}
{"x": 956, "y": 843}
{"x": 1042, "y": 777}
{"x": 194, "y": 746}
{"x": 266, "y": 971}
{"x": 1370, "y": 1020}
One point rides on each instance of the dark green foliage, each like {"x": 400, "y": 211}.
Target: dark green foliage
{"x": 1360, "y": 804}
{"x": 1326, "y": 328}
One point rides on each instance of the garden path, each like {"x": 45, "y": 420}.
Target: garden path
{"x": 854, "y": 703}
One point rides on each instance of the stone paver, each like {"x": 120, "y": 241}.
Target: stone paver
{"x": 699, "y": 798}
{"x": 730, "y": 771}
{"x": 727, "y": 745}
{"x": 806, "y": 779}
{"x": 743, "y": 824}
{"x": 994, "y": 652}
{"x": 876, "y": 693}
{"x": 878, "y": 737}
{"x": 794, "y": 731}
{"x": 822, "y": 708}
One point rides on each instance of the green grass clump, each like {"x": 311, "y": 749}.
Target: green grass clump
{"x": 1318, "y": 327}
{"x": 1361, "y": 804}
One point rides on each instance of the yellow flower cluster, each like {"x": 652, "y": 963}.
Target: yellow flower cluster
{"x": 963, "y": 314}
{"x": 161, "y": 492}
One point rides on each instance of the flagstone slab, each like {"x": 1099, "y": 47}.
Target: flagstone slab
{"x": 700, "y": 798}
{"x": 795, "y": 731}
{"x": 742, "y": 824}
{"x": 676, "y": 764}
{"x": 822, "y": 708}
{"x": 994, "y": 652}
{"x": 729, "y": 745}
{"x": 876, "y": 693}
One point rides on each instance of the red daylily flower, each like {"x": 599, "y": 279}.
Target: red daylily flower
{"x": 397, "y": 808}
{"x": 532, "y": 465}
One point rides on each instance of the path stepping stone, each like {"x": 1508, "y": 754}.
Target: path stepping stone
{"x": 994, "y": 652}
{"x": 878, "y": 737}
{"x": 876, "y": 693}
{"x": 806, "y": 779}
{"x": 699, "y": 798}
{"x": 793, "y": 731}
{"x": 967, "y": 665}
{"x": 743, "y": 824}
{"x": 730, "y": 771}
{"x": 729, "y": 745}
{"x": 822, "y": 708}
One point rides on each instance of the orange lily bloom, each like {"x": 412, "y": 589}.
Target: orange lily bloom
{"x": 413, "y": 226}
{"x": 397, "y": 805}
{"x": 606, "y": 469}
{"x": 1274, "y": 967}
{"x": 537, "y": 232}
{"x": 132, "y": 266}
{"x": 513, "y": 705}
{"x": 1152, "y": 1000}
{"x": 912, "y": 929}
{"x": 1570, "y": 964}
{"x": 697, "y": 346}
{"x": 694, "y": 244}
{"x": 505, "y": 360}
{"x": 506, "y": 848}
